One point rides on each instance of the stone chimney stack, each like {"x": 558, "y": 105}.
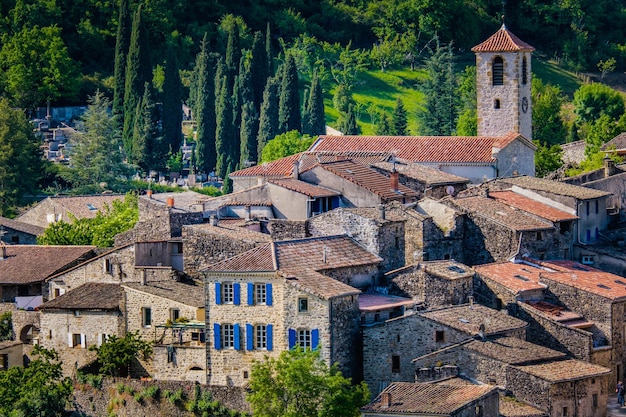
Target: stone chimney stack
{"x": 381, "y": 211}
{"x": 385, "y": 399}
{"x": 609, "y": 167}
{"x": 3, "y": 250}
{"x": 296, "y": 169}
{"x": 394, "y": 177}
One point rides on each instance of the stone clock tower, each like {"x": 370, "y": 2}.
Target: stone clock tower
{"x": 503, "y": 85}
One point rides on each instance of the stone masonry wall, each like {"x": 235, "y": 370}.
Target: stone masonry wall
{"x": 345, "y": 336}
{"x": 188, "y": 363}
{"x": 281, "y": 229}
{"x": 407, "y": 282}
{"x": 362, "y": 276}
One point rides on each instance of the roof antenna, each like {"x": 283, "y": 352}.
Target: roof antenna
{"x": 503, "y": 14}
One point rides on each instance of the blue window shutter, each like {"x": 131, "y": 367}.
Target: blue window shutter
{"x": 292, "y": 338}
{"x": 250, "y": 293}
{"x": 249, "y": 336}
{"x": 315, "y": 339}
{"x": 237, "y": 341}
{"x": 268, "y": 294}
{"x": 218, "y": 293}
{"x": 217, "y": 336}
{"x": 236, "y": 294}
{"x": 270, "y": 339}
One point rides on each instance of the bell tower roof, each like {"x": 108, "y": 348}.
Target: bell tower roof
{"x": 503, "y": 41}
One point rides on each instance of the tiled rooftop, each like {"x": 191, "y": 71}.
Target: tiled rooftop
{"x": 596, "y": 282}
{"x": 468, "y": 318}
{"x": 427, "y": 175}
{"x": 441, "y": 149}
{"x": 27, "y": 264}
{"x": 369, "y": 179}
{"x": 514, "y": 351}
{"x": 448, "y": 269}
{"x": 318, "y": 284}
{"x": 511, "y": 407}
{"x": 21, "y": 226}
{"x": 427, "y": 399}
{"x": 503, "y": 41}
{"x": 304, "y": 187}
{"x": 182, "y": 201}
{"x": 86, "y": 206}
{"x": 555, "y": 187}
{"x": 188, "y": 294}
{"x": 90, "y": 296}
{"x": 518, "y": 277}
{"x": 282, "y": 167}
{"x": 255, "y": 260}
{"x": 531, "y": 206}
{"x": 502, "y": 213}
{"x": 232, "y": 230}
{"x": 372, "y": 302}
{"x": 566, "y": 370}
{"x": 618, "y": 142}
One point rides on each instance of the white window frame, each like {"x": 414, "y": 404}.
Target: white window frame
{"x": 304, "y": 338}
{"x": 260, "y": 293}
{"x": 260, "y": 337}
{"x": 228, "y": 336}
{"x": 228, "y": 293}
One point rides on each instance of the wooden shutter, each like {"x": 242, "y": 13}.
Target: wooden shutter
{"x": 250, "y": 293}
{"x": 236, "y": 294}
{"x": 70, "y": 340}
{"x": 292, "y": 338}
{"x": 83, "y": 341}
{"x": 249, "y": 336}
{"x": 217, "y": 336}
{"x": 315, "y": 339}
{"x": 218, "y": 293}
{"x": 268, "y": 294}
{"x": 270, "y": 339}
{"x": 237, "y": 341}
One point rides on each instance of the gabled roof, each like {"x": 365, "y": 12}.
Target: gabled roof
{"x": 421, "y": 173}
{"x": 29, "y": 264}
{"x": 183, "y": 201}
{"x": 368, "y": 179}
{"x": 517, "y": 277}
{"x": 373, "y": 302}
{"x": 89, "y": 296}
{"x": 566, "y": 370}
{"x": 514, "y": 351}
{"x": 502, "y": 213}
{"x": 425, "y": 149}
{"x": 532, "y": 206}
{"x": 503, "y": 41}
{"x": 618, "y": 142}
{"x": 189, "y": 294}
{"x": 427, "y": 399}
{"x": 468, "y": 318}
{"x": 85, "y": 206}
{"x": 302, "y": 187}
{"x": 555, "y": 187}
{"x": 21, "y": 226}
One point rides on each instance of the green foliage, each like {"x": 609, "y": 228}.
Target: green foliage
{"x": 116, "y": 353}
{"x": 99, "y": 231}
{"x": 268, "y": 118}
{"x": 6, "y": 326}
{"x": 599, "y": 132}
{"x": 122, "y": 42}
{"x": 90, "y": 379}
{"x": 225, "y": 133}
{"x": 204, "y": 109}
{"x": 36, "y": 390}
{"x": 548, "y": 158}
{"x": 349, "y": 125}
{"x": 606, "y": 67}
{"x": 594, "y": 100}
{"x": 289, "y": 117}
{"x": 227, "y": 185}
{"x": 172, "y": 116}
{"x": 248, "y": 133}
{"x": 387, "y": 51}
{"x": 174, "y": 397}
{"x": 148, "y": 147}
{"x": 592, "y": 162}
{"x": 467, "y": 123}
{"x": 399, "y": 120}
{"x": 299, "y": 384}
{"x": 286, "y": 144}
{"x": 548, "y": 126}
{"x": 314, "y": 122}
{"x": 384, "y": 127}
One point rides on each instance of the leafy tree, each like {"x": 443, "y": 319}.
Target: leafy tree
{"x": 122, "y": 44}
{"x": 593, "y": 100}
{"x": 96, "y": 152}
{"x": 20, "y": 158}
{"x": 286, "y": 144}
{"x": 387, "y": 51}
{"x": 99, "y": 231}
{"x": 399, "y": 120}
{"x": 38, "y": 389}
{"x": 467, "y": 123}
{"x": 247, "y": 134}
{"x": 342, "y": 99}
{"x": 600, "y": 131}
{"x": 172, "y": 114}
{"x": 548, "y": 127}
{"x": 315, "y": 121}
{"x": 35, "y": 66}
{"x": 300, "y": 384}
{"x": 289, "y": 100}
{"x": 548, "y": 158}
{"x": 205, "y": 110}
{"x": 6, "y": 326}
{"x": 606, "y": 67}
{"x": 117, "y": 353}
{"x": 268, "y": 118}
{"x": 438, "y": 117}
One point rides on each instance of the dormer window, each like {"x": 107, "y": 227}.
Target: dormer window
{"x": 497, "y": 69}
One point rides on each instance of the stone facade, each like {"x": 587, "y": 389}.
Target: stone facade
{"x": 179, "y": 363}
{"x": 11, "y": 354}
{"x": 280, "y": 229}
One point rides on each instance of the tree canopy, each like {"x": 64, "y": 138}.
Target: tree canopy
{"x": 286, "y": 144}
{"x": 116, "y": 354}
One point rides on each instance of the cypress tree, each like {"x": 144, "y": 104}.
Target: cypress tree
{"x": 247, "y": 134}
{"x": 172, "y": 102}
{"x": 350, "y": 126}
{"x": 205, "y": 110}
{"x": 147, "y": 143}
{"x": 384, "y": 127}
{"x": 268, "y": 119}
{"x": 289, "y": 102}
{"x": 269, "y": 53}
{"x": 224, "y": 140}
{"x": 233, "y": 53}
{"x": 259, "y": 70}
{"x": 399, "y": 120}
{"x": 122, "y": 42}
{"x": 227, "y": 184}
{"x": 138, "y": 72}
{"x": 315, "y": 119}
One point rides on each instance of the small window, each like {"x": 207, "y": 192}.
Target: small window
{"x": 228, "y": 336}
{"x": 15, "y": 239}
{"x": 539, "y": 236}
{"x": 566, "y": 253}
{"x": 439, "y": 336}
{"x": 4, "y": 361}
{"x": 304, "y": 338}
{"x": 57, "y": 292}
{"x": 146, "y": 316}
{"x": 565, "y": 412}
{"x": 260, "y": 336}
{"x": 395, "y": 364}
{"x": 259, "y": 293}
{"x": 303, "y": 305}
{"x": 76, "y": 340}
{"x": 174, "y": 314}
{"x": 478, "y": 411}
{"x": 496, "y": 104}
{"x": 76, "y": 313}
{"x": 597, "y": 207}
{"x": 524, "y": 71}
{"x": 498, "y": 71}
{"x": 446, "y": 256}
{"x": 227, "y": 293}
{"x": 594, "y": 400}
{"x": 245, "y": 374}
{"x": 108, "y": 267}
{"x": 565, "y": 227}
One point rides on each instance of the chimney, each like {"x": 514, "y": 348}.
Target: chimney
{"x": 213, "y": 220}
{"x": 385, "y": 399}
{"x": 471, "y": 301}
{"x": 247, "y": 210}
{"x": 149, "y": 194}
{"x": 381, "y": 211}
{"x": 170, "y": 201}
{"x": 394, "y": 176}
{"x": 3, "y": 250}
{"x": 296, "y": 169}
{"x": 609, "y": 167}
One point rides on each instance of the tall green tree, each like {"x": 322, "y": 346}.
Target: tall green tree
{"x": 21, "y": 165}
{"x": 594, "y": 100}
{"x": 96, "y": 153}
{"x": 399, "y": 121}
{"x": 259, "y": 68}
{"x": 149, "y": 151}
{"x": 138, "y": 73}
{"x": 467, "y": 123}
{"x": 315, "y": 122}
{"x": 268, "y": 119}
{"x": 300, "y": 384}
{"x": 225, "y": 134}
{"x": 350, "y": 126}
{"x": 289, "y": 117}
{"x": 384, "y": 126}
{"x": 122, "y": 43}
{"x": 548, "y": 126}
{"x": 247, "y": 134}
{"x": 269, "y": 51}
{"x": 172, "y": 113}
{"x": 233, "y": 51}
{"x": 439, "y": 114}
{"x": 204, "y": 111}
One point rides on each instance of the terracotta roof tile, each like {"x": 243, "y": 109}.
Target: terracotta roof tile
{"x": 531, "y": 206}
{"x": 86, "y": 206}
{"x": 90, "y": 296}
{"x": 555, "y": 187}
{"x": 427, "y": 175}
{"x": 468, "y": 319}
{"x": 511, "y": 407}
{"x": 186, "y": 293}
{"x": 424, "y": 149}
{"x": 369, "y": 179}
{"x": 318, "y": 284}
{"x": 27, "y": 264}
{"x": 427, "y": 399}
{"x": 518, "y": 277}
{"x": 21, "y": 226}
{"x": 566, "y": 370}
{"x": 258, "y": 259}
{"x": 304, "y": 187}
{"x": 279, "y": 168}
{"x": 372, "y": 302}
{"x": 502, "y": 213}
{"x": 503, "y": 41}
{"x": 514, "y": 351}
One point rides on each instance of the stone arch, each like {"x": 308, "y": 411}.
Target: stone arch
{"x": 28, "y": 334}
{"x": 497, "y": 71}
{"x": 195, "y": 368}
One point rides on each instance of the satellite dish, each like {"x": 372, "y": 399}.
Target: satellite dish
{"x": 449, "y": 190}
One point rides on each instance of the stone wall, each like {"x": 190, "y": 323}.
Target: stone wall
{"x": 16, "y": 237}
{"x": 26, "y": 325}
{"x": 280, "y": 229}
{"x": 345, "y": 336}
{"x": 406, "y": 282}
{"x": 495, "y": 295}
{"x": 179, "y": 363}
{"x": 516, "y": 159}
{"x": 362, "y": 276}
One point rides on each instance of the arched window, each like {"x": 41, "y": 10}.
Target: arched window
{"x": 524, "y": 71}
{"x": 496, "y": 103}
{"x": 498, "y": 71}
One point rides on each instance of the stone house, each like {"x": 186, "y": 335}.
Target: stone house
{"x": 418, "y": 399}
{"x": 66, "y": 208}
{"x": 13, "y": 232}
{"x": 390, "y": 346}
{"x": 171, "y": 315}
{"x": 282, "y": 294}
{"x": 84, "y": 317}
{"x": 11, "y": 354}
